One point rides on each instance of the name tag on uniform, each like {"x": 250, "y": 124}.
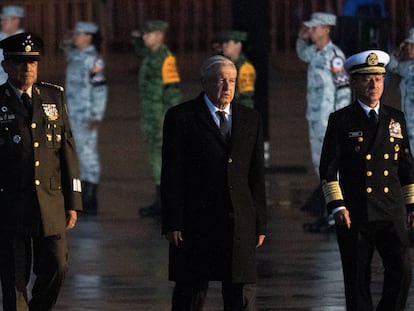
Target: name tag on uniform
{"x": 355, "y": 134}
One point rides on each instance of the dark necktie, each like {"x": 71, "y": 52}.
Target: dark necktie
{"x": 224, "y": 125}
{"x": 373, "y": 119}
{"x": 27, "y": 104}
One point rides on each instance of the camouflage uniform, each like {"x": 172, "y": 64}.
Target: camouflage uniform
{"x": 406, "y": 70}
{"x": 159, "y": 91}
{"x": 86, "y": 97}
{"x": 327, "y": 90}
{"x": 246, "y": 78}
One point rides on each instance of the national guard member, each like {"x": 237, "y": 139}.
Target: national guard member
{"x": 40, "y": 189}
{"x": 11, "y": 18}
{"x": 86, "y": 93}
{"x": 367, "y": 176}
{"x": 402, "y": 63}
{"x": 232, "y": 45}
{"x": 158, "y": 89}
{"x": 327, "y": 91}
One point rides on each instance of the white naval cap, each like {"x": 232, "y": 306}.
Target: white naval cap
{"x": 86, "y": 27}
{"x": 12, "y": 11}
{"x": 321, "y": 18}
{"x": 367, "y": 62}
{"x": 410, "y": 38}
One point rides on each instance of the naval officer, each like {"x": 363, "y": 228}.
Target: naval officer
{"x": 367, "y": 146}
{"x": 40, "y": 189}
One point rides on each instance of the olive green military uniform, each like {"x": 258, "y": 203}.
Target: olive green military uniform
{"x": 159, "y": 91}
{"x": 39, "y": 183}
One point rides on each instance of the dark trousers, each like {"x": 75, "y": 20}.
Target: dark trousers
{"x": 192, "y": 296}
{"x": 357, "y": 246}
{"x": 49, "y": 255}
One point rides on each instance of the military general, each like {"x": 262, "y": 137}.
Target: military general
{"x": 40, "y": 189}
{"x": 367, "y": 176}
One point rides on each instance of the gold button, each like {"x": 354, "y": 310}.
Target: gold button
{"x": 360, "y": 139}
{"x": 386, "y": 173}
{"x": 37, "y": 163}
{"x": 391, "y": 139}
{"x": 230, "y": 160}
{"x": 36, "y": 144}
{"x": 369, "y": 189}
{"x": 386, "y": 190}
{"x": 369, "y": 173}
{"x": 386, "y": 156}
{"x": 368, "y": 157}
{"x": 6, "y": 128}
{"x": 37, "y": 182}
{"x": 34, "y": 125}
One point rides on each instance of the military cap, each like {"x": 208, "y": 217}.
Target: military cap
{"x": 320, "y": 18}
{"x": 86, "y": 27}
{"x": 410, "y": 38}
{"x": 367, "y": 62}
{"x": 24, "y": 45}
{"x": 238, "y": 36}
{"x": 155, "y": 25}
{"x": 12, "y": 11}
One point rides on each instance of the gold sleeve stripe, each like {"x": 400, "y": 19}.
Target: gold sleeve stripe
{"x": 246, "y": 78}
{"x": 332, "y": 191}
{"x": 408, "y": 192}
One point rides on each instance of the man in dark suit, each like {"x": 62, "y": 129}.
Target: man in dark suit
{"x": 213, "y": 192}
{"x": 40, "y": 190}
{"x": 367, "y": 144}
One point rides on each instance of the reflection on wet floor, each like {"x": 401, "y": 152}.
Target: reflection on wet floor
{"x": 118, "y": 261}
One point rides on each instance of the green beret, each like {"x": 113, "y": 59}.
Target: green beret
{"x": 238, "y": 36}
{"x": 155, "y": 25}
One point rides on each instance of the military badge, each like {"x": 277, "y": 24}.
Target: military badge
{"x": 17, "y": 139}
{"x": 394, "y": 129}
{"x": 51, "y": 111}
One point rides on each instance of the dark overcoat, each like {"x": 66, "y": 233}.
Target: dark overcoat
{"x": 376, "y": 171}
{"x": 39, "y": 174}
{"x": 214, "y": 192}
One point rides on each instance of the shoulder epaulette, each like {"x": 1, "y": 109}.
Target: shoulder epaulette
{"x": 60, "y": 88}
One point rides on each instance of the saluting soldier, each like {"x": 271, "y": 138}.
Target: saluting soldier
{"x": 86, "y": 93}
{"x": 159, "y": 90}
{"x": 40, "y": 189}
{"x": 232, "y": 47}
{"x": 367, "y": 176}
{"x": 327, "y": 91}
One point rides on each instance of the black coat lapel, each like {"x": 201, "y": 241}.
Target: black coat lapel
{"x": 382, "y": 130}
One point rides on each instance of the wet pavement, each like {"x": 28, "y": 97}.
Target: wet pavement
{"x": 118, "y": 260}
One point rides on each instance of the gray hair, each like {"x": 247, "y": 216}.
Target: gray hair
{"x": 210, "y": 65}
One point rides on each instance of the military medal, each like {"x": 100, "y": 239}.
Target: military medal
{"x": 394, "y": 129}
{"x": 51, "y": 111}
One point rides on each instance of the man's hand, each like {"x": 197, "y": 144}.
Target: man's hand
{"x": 410, "y": 219}
{"x": 175, "y": 237}
{"x": 71, "y": 218}
{"x": 260, "y": 240}
{"x": 342, "y": 218}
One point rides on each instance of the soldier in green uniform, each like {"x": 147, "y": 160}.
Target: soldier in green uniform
{"x": 232, "y": 47}
{"x": 40, "y": 188}
{"x": 159, "y": 91}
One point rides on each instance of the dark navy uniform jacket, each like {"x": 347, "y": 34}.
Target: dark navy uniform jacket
{"x": 376, "y": 173}
{"x": 39, "y": 174}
